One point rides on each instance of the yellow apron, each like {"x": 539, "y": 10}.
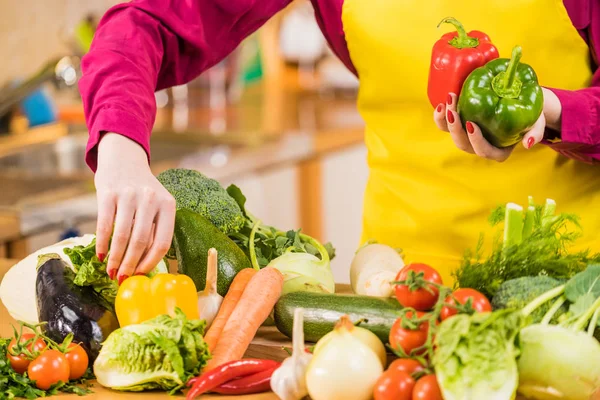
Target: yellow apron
{"x": 423, "y": 194}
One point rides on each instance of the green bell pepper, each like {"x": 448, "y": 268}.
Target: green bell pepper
{"x": 503, "y": 98}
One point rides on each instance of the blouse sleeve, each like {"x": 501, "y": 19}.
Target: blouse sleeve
{"x": 146, "y": 45}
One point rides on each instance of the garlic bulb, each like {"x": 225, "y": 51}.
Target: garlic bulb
{"x": 288, "y": 382}
{"x": 345, "y": 368}
{"x": 209, "y": 301}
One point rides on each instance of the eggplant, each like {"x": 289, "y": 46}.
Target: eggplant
{"x": 68, "y": 308}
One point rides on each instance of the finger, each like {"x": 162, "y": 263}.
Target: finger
{"x": 439, "y": 117}
{"x": 458, "y": 134}
{"x": 536, "y": 134}
{"x": 124, "y": 220}
{"x": 483, "y": 148}
{"x": 164, "y": 226}
{"x": 140, "y": 234}
{"x": 104, "y": 224}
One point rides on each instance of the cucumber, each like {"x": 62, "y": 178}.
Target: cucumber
{"x": 194, "y": 235}
{"x": 323, "y": 310}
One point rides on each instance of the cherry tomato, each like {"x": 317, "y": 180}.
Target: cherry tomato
{"x": 20, "y": 362}
{"x": 419, "y": 299}
{"x": 48, "y": 369}
{"x": 78, "y": 360}
{"x": 408, "y": 339}
{"x": 407, "y": 365}
{"x": 394, "y": 385}
{"x": 479, "y": 301}
{"x": 427, "y": 388}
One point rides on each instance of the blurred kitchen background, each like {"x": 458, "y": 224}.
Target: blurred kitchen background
{"x": 277, "y": 118}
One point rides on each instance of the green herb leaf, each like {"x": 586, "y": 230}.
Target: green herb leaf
{"x": 238, "y": 196}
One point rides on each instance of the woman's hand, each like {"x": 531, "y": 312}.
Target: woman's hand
{"x": 472, "y": 141}
{"x": 131, "y": 199}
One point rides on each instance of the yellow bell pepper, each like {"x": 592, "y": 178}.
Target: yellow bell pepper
{"x": 141, "y": 298}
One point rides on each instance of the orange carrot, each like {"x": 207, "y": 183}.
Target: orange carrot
{"x": 252, "y": 310}
{"x": 229, "y": 302}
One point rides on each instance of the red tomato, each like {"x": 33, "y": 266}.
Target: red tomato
{"x": 78, "y": 360}
{"x": 394, "y": 385}
{"x": 427, "y": 388}
{"x": 480, "y": 303}
{"x": 407, "y": 365}
{"x": 408, "y": 339}
{"x": 20, "y": 362}
{"x": 48, "y": 369}
{"x": 419, "y": 299}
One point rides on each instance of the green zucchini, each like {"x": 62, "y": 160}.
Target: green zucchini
{"x": 323, "y": 310}
{"x": 194, "y": 236}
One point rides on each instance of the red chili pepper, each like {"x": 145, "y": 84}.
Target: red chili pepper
{"x": 256, "y": 383}
{"x": 455, "y": 55}
{"x": 226, "y": 372}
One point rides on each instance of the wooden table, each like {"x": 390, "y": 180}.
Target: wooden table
{"x": 264, "y": 348}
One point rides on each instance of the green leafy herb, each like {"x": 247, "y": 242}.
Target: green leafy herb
{"x": 543, "y": 248}
{"x": 271, "y": 243}
{"x": 14, "y": 385}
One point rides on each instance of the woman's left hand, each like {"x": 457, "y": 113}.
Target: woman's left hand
{"x": 472, "y": 141}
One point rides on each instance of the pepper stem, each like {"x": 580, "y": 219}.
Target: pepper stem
{"x": 511, "y": 71}
{"x": 506, "y": 83}
{"x": 463, "y": 40}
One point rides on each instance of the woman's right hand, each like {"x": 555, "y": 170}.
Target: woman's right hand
{"x": 133, "y": 207}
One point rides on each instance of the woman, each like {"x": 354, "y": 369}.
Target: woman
{"x": 423, "y": 194}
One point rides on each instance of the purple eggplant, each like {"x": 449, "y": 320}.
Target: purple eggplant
{"x": 68, "y": 308}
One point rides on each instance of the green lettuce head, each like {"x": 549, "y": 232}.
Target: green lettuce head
{"x": 162, "y": 353}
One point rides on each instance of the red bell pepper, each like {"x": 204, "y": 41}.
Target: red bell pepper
{"x": 455, "y": 55}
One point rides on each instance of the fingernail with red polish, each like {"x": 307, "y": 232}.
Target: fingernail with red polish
{"x": 112, "y": 273}
{"x": 101, "y": 256}
{"x": 450, "y": 117}
{"x": 449, "y": 99}
{"x": 439, "y": 108}
{"x": 140, "y": 273}
{"x": 530, "y": 142}
{"x": 122, "y": 278}
{"x": 470, "y": 128}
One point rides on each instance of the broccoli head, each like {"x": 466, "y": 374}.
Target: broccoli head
{"x": 517, "y": 293}
{"x": 198, "y": 193}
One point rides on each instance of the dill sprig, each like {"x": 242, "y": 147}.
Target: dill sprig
{"x": 544, "y": 251}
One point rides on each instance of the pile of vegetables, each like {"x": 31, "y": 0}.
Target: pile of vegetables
{"x": 32, "y": 365}
{"x": 303, "y": 260}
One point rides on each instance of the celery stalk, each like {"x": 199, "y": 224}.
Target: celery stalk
{"x": 548, "y": 212}
{"x": 529, "y": 219}
{"x": 513, "y": 225}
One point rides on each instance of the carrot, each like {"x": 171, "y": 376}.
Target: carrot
{"x": 229, "y": 302}
{"x": 252, "y": 310}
